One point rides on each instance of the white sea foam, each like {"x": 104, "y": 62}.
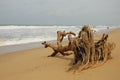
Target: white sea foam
{"x": 23, "y": 41}
{"x": 34, "y": 27}
{"x": 11, "y": 35}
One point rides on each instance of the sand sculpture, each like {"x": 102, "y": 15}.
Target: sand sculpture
{"x": 86, "y": 50}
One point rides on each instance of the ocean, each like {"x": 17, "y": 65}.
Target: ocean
{"x": 10, "y": 35}
{"x": 28, "y": 37}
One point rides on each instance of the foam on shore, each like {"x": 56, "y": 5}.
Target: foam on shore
{"x": 13, "y": 46}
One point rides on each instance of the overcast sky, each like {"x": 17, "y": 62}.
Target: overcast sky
{"x": 60, "y": 12}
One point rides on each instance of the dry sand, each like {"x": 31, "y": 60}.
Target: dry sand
{"x": 35, "y": 65}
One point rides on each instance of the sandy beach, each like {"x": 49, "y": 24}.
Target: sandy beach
{"x": 34, "y": 64}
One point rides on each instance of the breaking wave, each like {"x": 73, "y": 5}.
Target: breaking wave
{"x": 10, "y": 35}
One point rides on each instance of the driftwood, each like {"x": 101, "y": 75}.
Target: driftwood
{"x": 103, "y": 49}
{"x": 86, "y": 45}
{"x": 86, "y": 50}
{"x": 61, "y": 35}
{"x": 64, "y": 50}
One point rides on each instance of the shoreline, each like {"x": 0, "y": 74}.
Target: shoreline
{"x": 32, "y": 45}
{"x": 33, "y": 64}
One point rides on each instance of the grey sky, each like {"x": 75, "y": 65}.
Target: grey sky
{"x": 60, "y": 12}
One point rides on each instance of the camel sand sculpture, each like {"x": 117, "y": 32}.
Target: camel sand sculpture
{"x": 85, "y": 49}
